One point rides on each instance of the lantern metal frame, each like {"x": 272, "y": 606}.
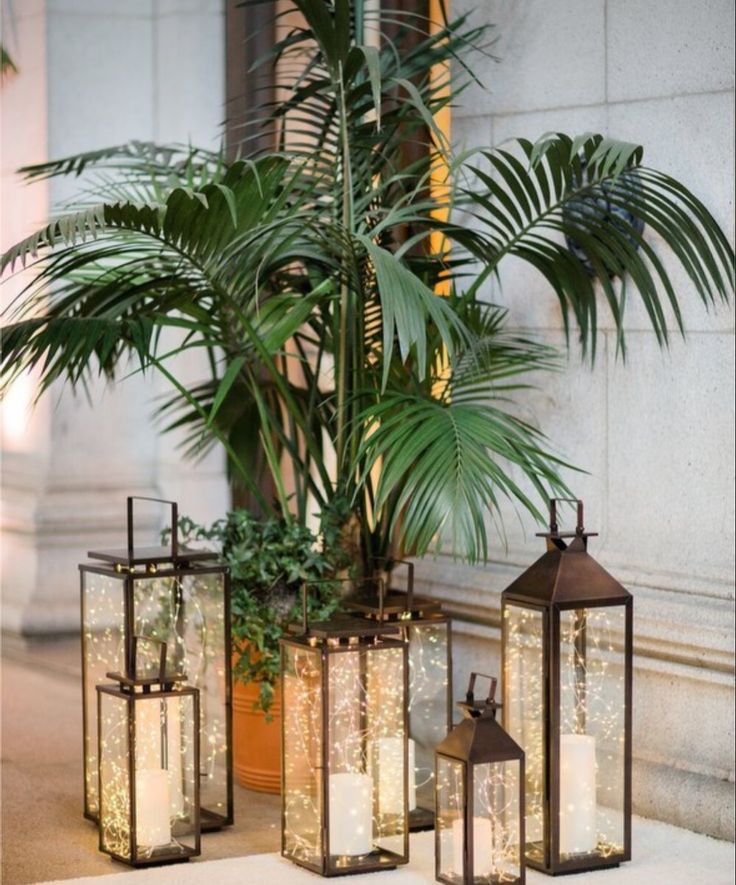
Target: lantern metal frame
{"x": 566, "y": 578}
{"x": 409, "y": 611}
{"x": 338, "y": 637}
{"x": 478, "y": 740}
{"x": 133, "y": 690}
{"x": 135, "y": 564}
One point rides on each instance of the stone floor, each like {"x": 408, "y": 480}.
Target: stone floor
{"x": 43, "y": 833}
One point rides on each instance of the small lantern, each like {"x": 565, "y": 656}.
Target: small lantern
{"x": 567, "y": 664}
{"x": 479, "y": 827}
{"x": 180, "y": 597}
{"x": 149, "y": 766}
{"x": 344, "y": 746}
{"x": 427, "y": 630}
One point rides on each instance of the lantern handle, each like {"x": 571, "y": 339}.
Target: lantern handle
{"x": 161, "y": 660}
{"x": 174, "y": 524}
{"x": 409, "y": 576}
{"x": 307, "y": 584}
{"x": 553, "y": 527}
{"x": 491, "y": 699}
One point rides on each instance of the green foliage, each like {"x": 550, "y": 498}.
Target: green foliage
{"x": 306, "y": 275}
{"x": 269, "y": 560}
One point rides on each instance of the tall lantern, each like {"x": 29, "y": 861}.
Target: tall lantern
{"x": 426, "y": 629}
{"x": 149, "y": 765}
{"x": 344, "y": 746}
{"x": 567, "y": 663}
{"x": 177, "y": 596}
{"x": 479, "y": 831}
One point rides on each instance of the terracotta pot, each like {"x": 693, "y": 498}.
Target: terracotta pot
{"x": 256, "y": 742}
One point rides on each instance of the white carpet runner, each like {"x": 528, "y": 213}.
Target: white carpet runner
{"x": 663, "y": 855}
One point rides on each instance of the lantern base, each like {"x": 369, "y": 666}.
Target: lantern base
{"x": 583, "y": 865}
{"x": 155, "y": 861}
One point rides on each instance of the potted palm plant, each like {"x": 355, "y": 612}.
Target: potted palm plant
{"x": 308, "y": 274}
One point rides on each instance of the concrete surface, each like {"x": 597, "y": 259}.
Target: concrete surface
{"x": 44, "y": 835}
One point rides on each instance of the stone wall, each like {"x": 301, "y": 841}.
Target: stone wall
{"x": 655, "y": 434}
{"x": 94, "y": 73}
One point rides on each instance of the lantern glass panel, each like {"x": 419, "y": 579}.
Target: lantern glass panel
{"x": 302, "y": 754}
{"x": 114, "y": 773}
{"x": 187, "y": 612}
{"x": 428, "y": 704}
{"x": 450, "y": 795}
{"x": 163, "y": 780}
{"x": 385, "y": 741}
{"x": 592, "y": 732}
{"x": 524, "y": 714}
{"x": 103, "y": 616}
{"x": 496, "y": 849}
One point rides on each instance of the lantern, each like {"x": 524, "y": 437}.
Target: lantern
{"x": 427, "y": 631}
{"x": 567, "y": 663}
{"x": 479, "y": 826}
{"x": 344, "y": 746}
{"x": 148, "y": 766}
{"x": 180, "y": 597}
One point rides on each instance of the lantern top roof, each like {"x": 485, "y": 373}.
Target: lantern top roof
{"x": 152, "y": 556}
{"x": 566, "y": 574}
{"x": 343, "y": 627}
{"x": 396, "y": 603}
{"x": 479, "y": 738}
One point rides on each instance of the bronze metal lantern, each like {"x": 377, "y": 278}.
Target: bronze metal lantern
{"x": 149, "y": 764}
{"x": 426, "y": 628}
{"x": 567, "y": 665}
{"x": 479, "y": 829}
{"x": 178, "y": 596}
{"x": 344, "y": 746}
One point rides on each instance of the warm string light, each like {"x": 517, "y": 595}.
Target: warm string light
{"x": 428, "y": 675}
{"x": 187, "y": 613}
{"x": 164, "y": 732}
{"x": 364, "y": 717}
{"x": 592, "y": 703}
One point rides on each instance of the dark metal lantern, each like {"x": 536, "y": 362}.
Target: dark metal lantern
{"x": 149, "y": 765}
{"x": 344, "y": 746}
{"x": 178, "y": 596}
{"x": 426, "y": 628}
{"x": 567, "y": 665}
{"x": 479, "y": 829}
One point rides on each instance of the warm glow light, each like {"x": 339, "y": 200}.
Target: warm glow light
{"x": 592, "y": 708}
{"x": 361, "y": 736}
{"x": 16, "y": 414}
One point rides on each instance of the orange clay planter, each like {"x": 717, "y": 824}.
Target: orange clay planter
{"x": 256, "y": 742}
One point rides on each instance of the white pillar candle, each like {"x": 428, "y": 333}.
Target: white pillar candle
{"x": 482, "y": 846}
{"x": 351, "y": 814}
{"x": 577, "y": 794}
{"x": 389, "y": 757}
{"x": 153, "y": 797}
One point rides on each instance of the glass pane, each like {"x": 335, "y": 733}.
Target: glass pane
{"x": 449, "y": 818}
{"x": 114, "y": 806}
{"x": 188, "y": 614}
{"x": 524, "y": 713}
{"x": 428, "y": 713}
{"x": 592, "y": 715}
{"x": 366, "y": 764}
{"x": 496, "y": 850}
{"x": 165, "y": 776}
{"x": 386, "y": 741}
{"x": 102, "y": 652}
{"x": 302, "y": 731}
